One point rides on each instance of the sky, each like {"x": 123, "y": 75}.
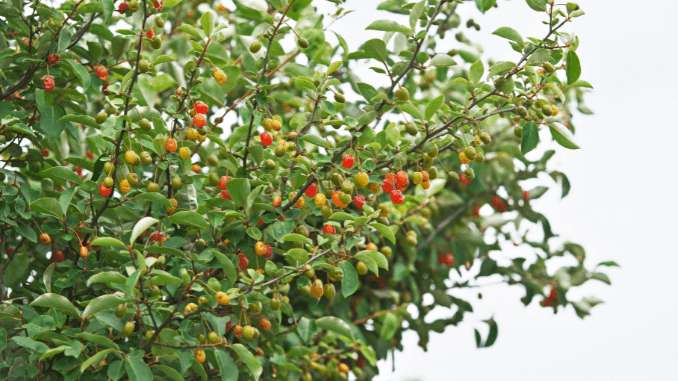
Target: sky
{"x": 622, "y": 207}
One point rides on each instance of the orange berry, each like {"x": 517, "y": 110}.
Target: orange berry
{"x": 200, "y": 356}
{"x": 45, "y": 239}
{"x": 171, "y": 145}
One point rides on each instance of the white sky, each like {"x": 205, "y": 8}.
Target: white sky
{"x": 622, "y": 207}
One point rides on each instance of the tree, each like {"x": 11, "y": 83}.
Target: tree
{"x": 145, "y": 237}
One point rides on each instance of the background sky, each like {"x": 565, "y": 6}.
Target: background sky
{"x": 622, "y": 207}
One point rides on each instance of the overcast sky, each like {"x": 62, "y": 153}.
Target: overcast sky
{"x": 622, "y": 207}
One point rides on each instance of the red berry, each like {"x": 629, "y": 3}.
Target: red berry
{"x": 45, "y": 152}
{"x": 52, "y": 58}
{"x": 158, "y": 5}
{"x": 90, "y": 155}
{"x": 223, "y": 181}
{"x": 104, "y": 87}
{"x": 269, "y": 251}
{"x": 526, "y": 195}
{"x": 224, "y": 194}
{"x": 401, "y": 178}
{"x": 266, "y": 138}
{"x": 347, "y": 161}
{"x": 156, "y": 237}
{"x": 328, "y": 229}
{"x": 199, "y": 120}
{"x": 123, "y": 7}
{"x": 476, "y": 211}
{"x": 102, "y": 72}
{"x": 104, "y": 191}
{"x": 58, "y": 257}
{"x": 78, "y": 170}
{"x": 463, "y": 179}
{"x": 359, "y": 201}
{"x": 48, "y": 82}
{"x": 387, "y": 187}
{"x": 553, "y": 294}
{"x": 150, "y": 33}
{"x": 446, "y": 259}
{"x": 498, "y": 204}
{"x": 200, "y": 107}
{"x": 242, "y": 261}
{"x": 311, "y": 190}
{"x": 80, "y": 225}
{"x": 397, "y": 196}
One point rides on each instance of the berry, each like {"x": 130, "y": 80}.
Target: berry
{"x": 128, "y": 329}
{"x": 124, "y": 186}
{"x": 222, "y": 298}
{"x": 336, "y": 199}
{"x": 255, "y": 46}
{"x": 397, "y": 197}
{"x": 225, "y": 195}
{"x": 361, "y": 268}
{"x": 498, "y": 204}
{"x": 446, "y": 259}
{"x": 329, "y": 291}
{"x": 199, "y": 120}
{"x": 248, "y": 332}
{"x": 44, "y": 152}
{"x": 190, "y": 307}
{"x": 58, "y": 257}
{"x": 45, "y": 239}
{"x": 152, "y": 187}
{"x": 371, "y": 246}
{"x": 317, "y": 290}
{"x": 146, "y": 158}
{"x": 144, "y": 66}
{"x": 177, "y": 183}
{"x": 343, "y": 368}
{"x": 52, "y": 58}
{"x": 402, "y": 94}
{"x": 171, "y": 145}
{"x": 195, "y": 168}
{"x": 339, "y": 98}
{"x": 359, "y": 201}
{"x": 223, "y": 181}
{"x": 302, "y": 42}
{"x": 520, "y": 111}
{"x": 328, "y": 229}
{"x": 348, "y": 161}
{"x": 219, "y": 76}
{"x": 387, "y": 251}
{"x": 526, "y": 195}
{"x": 311, "y": 190}
{"x": 499, "y": 82}
{"x": 121, "y": 310}
{"x": 264, "y": 323}
{"x": 277, "y": 201}
{"x": 476, "y": 211}
{"x": 238, "y": 331}
{"x": 320, "y": 199}
{"x": 48, "y": 83}
{"x": 361, "y": 180}
{"x": 486, "y": 137}
{"x": 102, "y": 72}
{"x": 84, "y": 252}
{"x": 260, "y": 248}
{"x": 266, "y": 138}
{"x": 548, "y": 67}
{"x": 90, "y": 155}
{"x": 402, "y": 178}
{"x": 156, "y": 42}
{"x": 387, "y": 187}
{"x": 184, "y": 153}
{"x": 300, "y": 202}
{"x": 104, "y": 191}
{"x": 463, "y": 179}
{"x": 200, "y": 107}
{"x": 130, "y": 157}
{"x": 101, "y": 117}
{"x": 269, "y": 251}
{"x": 200, "y": 356}
{"x": 276, "y": 125}
{"x": 242, "y": 261}
{"x": 150, "y": 33}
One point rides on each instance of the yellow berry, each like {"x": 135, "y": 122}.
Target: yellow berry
{"x": 201, "y": 138}
{"x": 124, "y": 186}
{"x": 320, "y": 199}
{"x": 184, "y": 153}
{"x": 463, "y": 158}
{"x": 361, "y": 180}
{"x": 300, "y": 203}
{"x": 191, "y": 133}
{"x": 220, "y": 76}
{"x": 222, "y": 298}
{"x": 130, "y": 157}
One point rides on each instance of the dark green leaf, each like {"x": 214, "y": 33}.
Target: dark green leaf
{"x": 530, "y": 137}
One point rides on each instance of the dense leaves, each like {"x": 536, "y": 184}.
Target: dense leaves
{"x": 190, "y": 190}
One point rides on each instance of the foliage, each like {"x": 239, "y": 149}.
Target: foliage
{"x": 143, "y": 237}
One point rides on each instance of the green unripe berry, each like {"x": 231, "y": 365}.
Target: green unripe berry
{"x": 133, "y": 5}
{"x": 132, "y": 178}
{"x": 144, "y": 66}
{"x": 109, "y": 182}
{"x": 145, "y": 158}
{"x": 411, "y": 240}
{"x": 546, "y": 109}
{"x": 518, "y": 131}
{"x": 302, "y": 42}
{"x": 345, "y": 198}
{"x": 336, "y": 274}
{"x": 499, "y": 82}
{"x": 202, "y": 339}
{"x": 121, "y": 310}
{"x": 339, "y": 98}
{"x": 275, "y": 304}
{"x": 248, "y": 332}
{"x": 479, "y": 157}
{"x": 402, "y": 94}
{"x": 156, "y": 42}
{"x": 486, "y": 137}
{"x": 470, "y": 152}
{"x": 213, "y": 338}
{"x": 159, "y": 22}
{"x": 329, "y": 291}
{"x": 336, "y": 179}
{"x": 453, "y": 176}
{"x": 411, "y": 129}
{"x": 145, "y": 124}
{"x": 109, "y": 168}
{"x": 213, "y": 160}
{"x": 521, "y": 111}
{"x": 470, "y": 175}
{"x": 387, "y": 251}
{"x": 361, "y": 268}
{"x": 280, "y": 151}
{"x": 326, "y": 210}
{"x": 255, "y": 46}
{"x": 346, "y": 186}
{"x": 177, "y": 183}
{"x": 269, "y": 164}
{"x": 256, "y": 307}
{"x": 548, "y": 67}
{"x": 152, "y": 187}
{"x": 433, "y": 173}
{"x": 101, "y": 117}
{"x": 303, "y": 230}
{"x": 128, "y": 329}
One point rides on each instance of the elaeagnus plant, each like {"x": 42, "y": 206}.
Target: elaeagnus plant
{"x": 199, "y": 190}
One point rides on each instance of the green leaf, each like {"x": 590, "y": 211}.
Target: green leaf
{"x": 416, "y": 12}
{"x": 107, "y": 277}
{"x": 349, "y": 285}
{"x": 537, "y": 5}
{"x": 530, "y": 137}
{"x": 442, "y": 60}
{"x": 298, "y": 254}
{"x": 227, "y": 265}
{"x": 377, "y": 257}
{"x": 56, "y": 301}
{"x": 26, "y": 231}
{"x": 608, "y": 264}
{"x": 410, "y": 109}
{"x": 48, "y": 206}
{"x": 154, "y": 197}
{"x": 389, "y": 326}
{"x": 137, "y": 370}
{"x": 163, "y": 278}
{"x": 385, "y": 231}
{"x": 82, "y": 119}
{"x": 47, "y": 277}
{"x": 334, "y": 324}
{"x": 238, "y": 189}
{"x": 297, "y": 238}
{"x": 81, "y": 73}
{"x": 563, "y": 136}
{"x": 227, "y": 367}
{"x": 162, "y": 82}
{"x": 54, "y": 351}
{"x": 601, "y": 277}
{"x": 509, "y": 33}
{"x": 433, "y": 106}
{"x": 173, "y": 374}
{"x": 376, "y": 49}
{"x": 109, "y": 8}
{"x": 341, "y": 216}
{"x": 388, "y": 26}
{"x": 108, "y": 241}
{"x": 572, "y": 67}
{"x": 31, "y": 344}
{"x": 101, "y": 303}
{"x": 250, "y": 361}
{"x": 368, "y": 261}
{"x": 501, "y": 68}
{"x": 50, "y": 122}
{"x": 494, "y": 331}
{"x": 315, "y": 139}
{"x": 189, "y": 29}
{"x": 163, "y": 59}
{"x": 334, "y": 66}
{"x": 62, "y": 173}
{"x": 581, "y": 83}
{"x": 207, "y": 23}
{"x": 476, "y": 71}
{"x": 141, "y": 226}
{"x": 97, "y": 339}
{"x": 191, "y": 219}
